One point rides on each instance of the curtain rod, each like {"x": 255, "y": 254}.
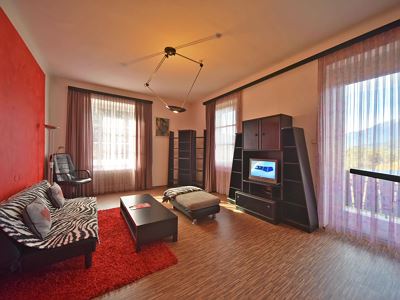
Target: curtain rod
{"x": 323, "y": 53}
{"x": 109, "y": 94}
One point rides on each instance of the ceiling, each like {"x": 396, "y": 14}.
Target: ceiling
{"x": 89, "y": 40}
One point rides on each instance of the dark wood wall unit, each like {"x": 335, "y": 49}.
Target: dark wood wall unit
{"x": 186, "y": 160}
{"x": 298, "y": 206}
{"x": 292, "y": 198}
{"x": 236, "y": 173}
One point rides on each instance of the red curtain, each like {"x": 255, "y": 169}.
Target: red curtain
{"x": 79, "y": 139}
{"x": 210, "y": 183}
{"x": 144, "y": 146}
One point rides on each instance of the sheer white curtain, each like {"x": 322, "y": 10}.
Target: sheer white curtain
{"x": 360, "y": 128}
{"x": 227, "y": 122}
{"x": 114, "y": 144}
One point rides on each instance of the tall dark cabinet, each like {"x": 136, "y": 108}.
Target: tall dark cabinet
{"x": 291, "y": 199}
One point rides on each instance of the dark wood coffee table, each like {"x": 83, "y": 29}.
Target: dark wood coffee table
{"x": 150, "y": 223}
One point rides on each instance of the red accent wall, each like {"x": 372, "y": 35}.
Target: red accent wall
{"x": 22, "y": 106}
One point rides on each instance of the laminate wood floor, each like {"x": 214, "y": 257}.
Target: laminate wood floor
{"x": 237, "y": 256}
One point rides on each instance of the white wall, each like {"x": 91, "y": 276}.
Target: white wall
{"x": 295, "y": 94}
{"x": 58, "y": 89}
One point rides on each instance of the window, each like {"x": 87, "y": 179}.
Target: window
{"x": 225, "y": 129}
{"x": 372, "y": 125}
{"x": 360, "y": 128}
{"x": 226, "y": 121}
{"x": 114, "y": 134}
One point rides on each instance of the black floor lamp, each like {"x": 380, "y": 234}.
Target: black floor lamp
{"x": 50, "y": 147}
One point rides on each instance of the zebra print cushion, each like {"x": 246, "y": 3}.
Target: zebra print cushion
{"x": 75, "y": 221}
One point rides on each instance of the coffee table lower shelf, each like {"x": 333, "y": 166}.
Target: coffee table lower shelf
{"x": 148, "y": 224}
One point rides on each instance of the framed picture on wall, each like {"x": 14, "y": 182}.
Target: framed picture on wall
{"x": 162, "y": 127}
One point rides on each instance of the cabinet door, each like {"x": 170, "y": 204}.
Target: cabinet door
{"x": 250, "y": 135}
{"x": 270, "y": 133}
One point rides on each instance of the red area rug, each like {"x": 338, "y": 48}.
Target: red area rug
{"x": 114, "y": 264}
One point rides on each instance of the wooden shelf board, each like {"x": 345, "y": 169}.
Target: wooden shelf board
{"x": 292, "y": 180}
{"x": 261, "y": 183}
{"x": 294, "y": 204}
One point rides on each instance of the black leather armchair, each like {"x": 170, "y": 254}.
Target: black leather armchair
{"x": 66, "y": 174}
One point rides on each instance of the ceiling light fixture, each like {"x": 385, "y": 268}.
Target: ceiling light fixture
{"x": 168, "y": 52}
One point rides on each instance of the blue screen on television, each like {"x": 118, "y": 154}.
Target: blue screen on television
{"x": 263, "y": 169}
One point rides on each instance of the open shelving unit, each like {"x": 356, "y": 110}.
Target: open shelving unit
{"x": 236, "y": 174}
{"x": 186, "y": 159}
{"x": 298, "y": 207}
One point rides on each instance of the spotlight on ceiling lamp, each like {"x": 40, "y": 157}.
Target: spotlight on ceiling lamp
{"x": 176, "y": 109}
{"x": 171, "y": 51}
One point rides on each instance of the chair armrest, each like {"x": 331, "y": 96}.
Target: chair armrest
{"x": 65, "y": 176}
{"x": 87, "y": 172}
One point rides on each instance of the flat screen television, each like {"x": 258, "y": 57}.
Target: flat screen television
{"x": 265, "y": 170}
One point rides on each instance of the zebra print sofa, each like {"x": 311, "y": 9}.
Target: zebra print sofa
{"x": 74, "y": 231}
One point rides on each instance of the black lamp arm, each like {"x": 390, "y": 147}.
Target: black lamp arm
{"x": 169, "y": 51}
{"x": 188, "y": 58}
{"x": 156, "y": 69}
{"x": 191, "y": 87}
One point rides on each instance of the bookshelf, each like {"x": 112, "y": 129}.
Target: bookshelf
{"x": 186, "y": 159}
{"x": 236, "y": 173}
{"x": 298, "y": 206}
